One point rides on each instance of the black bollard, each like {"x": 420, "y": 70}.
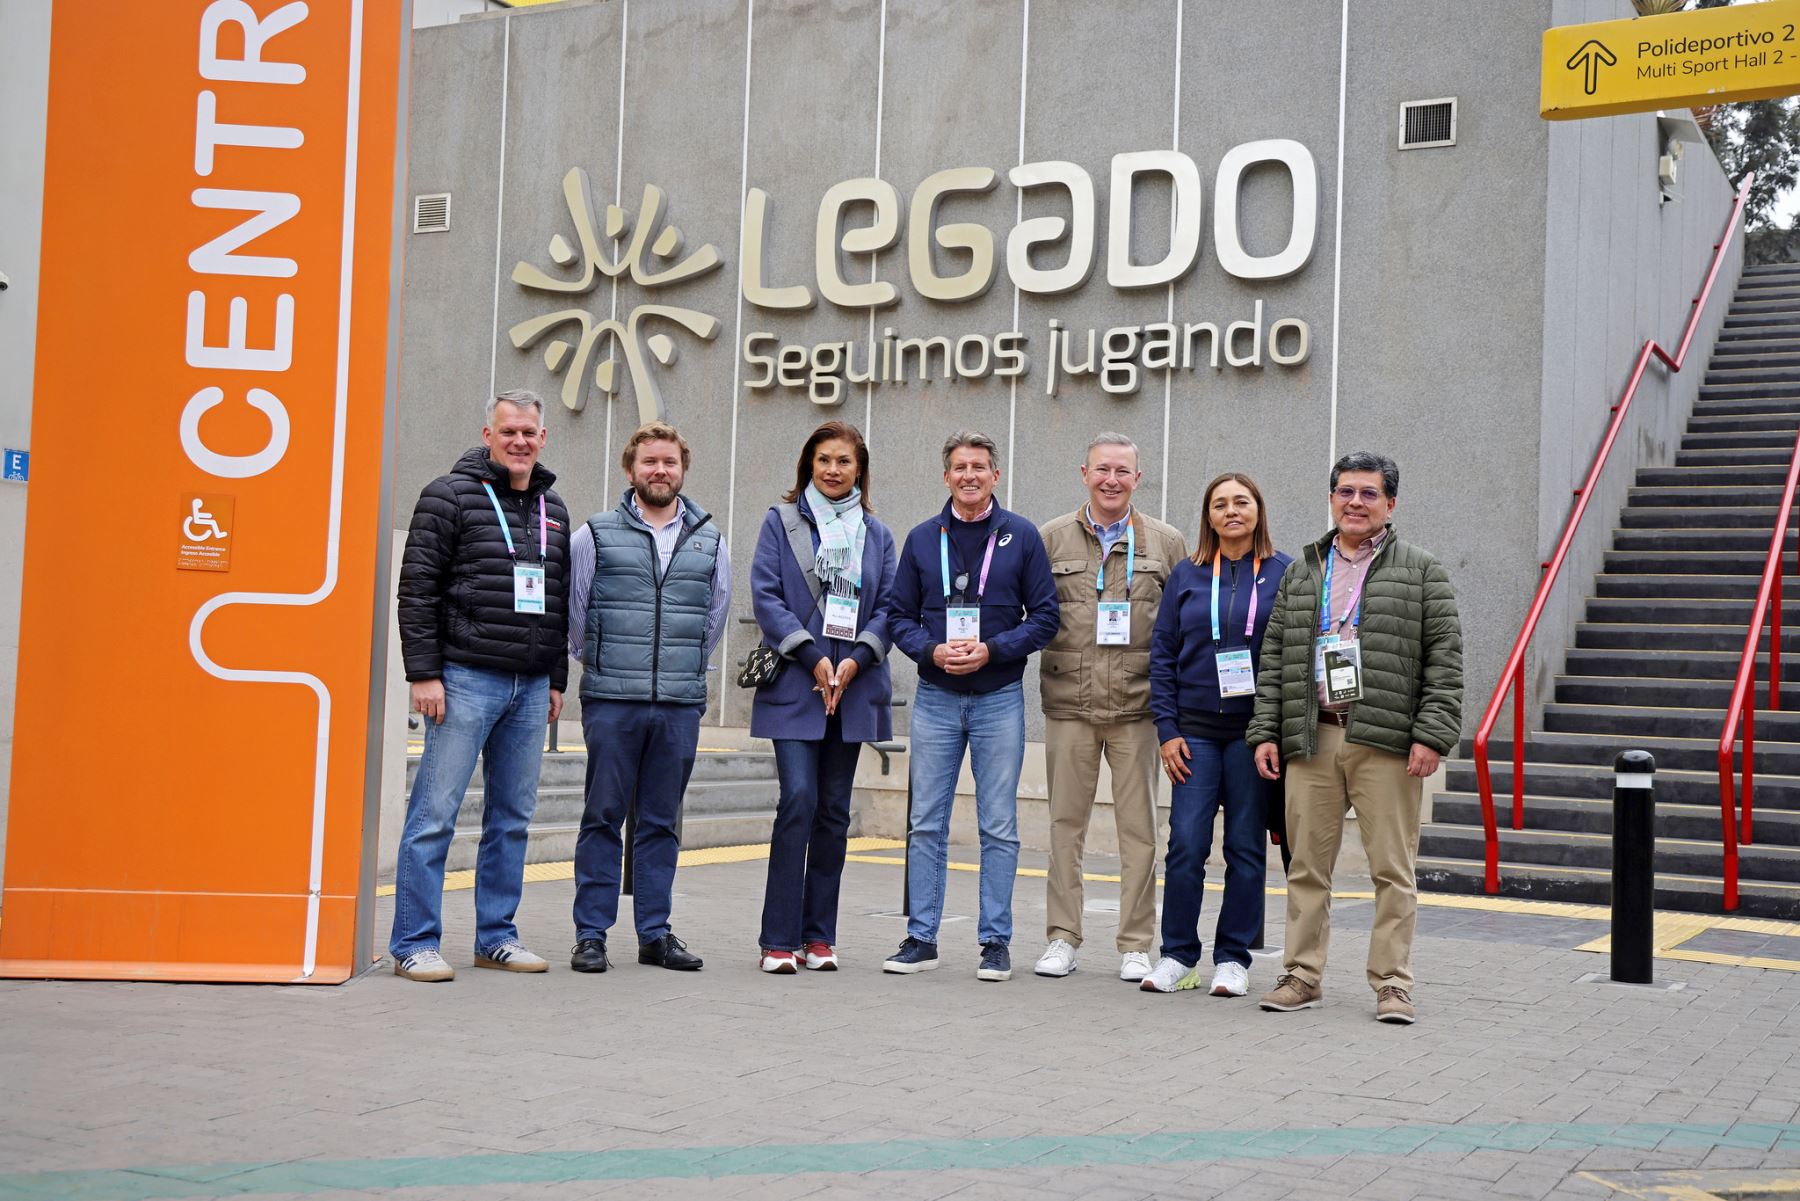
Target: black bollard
{"x": 1634, "y": 867}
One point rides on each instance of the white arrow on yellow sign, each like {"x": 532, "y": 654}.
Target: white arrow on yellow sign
{"x": 1715, "y": 56}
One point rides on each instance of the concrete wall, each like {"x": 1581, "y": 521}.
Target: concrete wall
{"x": 24, "y": 92}
{"x": 1441, "y": 339}
{"x": 1620, "y": 267}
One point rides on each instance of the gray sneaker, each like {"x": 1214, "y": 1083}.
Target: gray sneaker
{"x": 424, "y": 965}
{"x": 511, "y": 956}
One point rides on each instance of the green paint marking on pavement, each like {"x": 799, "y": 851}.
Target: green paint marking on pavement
{"x": 308, "y": 1176}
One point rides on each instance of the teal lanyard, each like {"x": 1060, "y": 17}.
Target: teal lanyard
{"x": 1353, "y": 609}
{"x": 1130, "y": 563}
{"x": 506, "y": 530}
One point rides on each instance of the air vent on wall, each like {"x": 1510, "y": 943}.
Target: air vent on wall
{"x": 1425, "y": 123}
{"x": 431, "y": 213}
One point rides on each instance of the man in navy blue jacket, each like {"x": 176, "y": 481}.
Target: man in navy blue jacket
{"x": 973, "y": 599}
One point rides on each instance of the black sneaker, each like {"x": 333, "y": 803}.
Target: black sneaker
{"x": 670, "y": 952}
{"x": 589, "y": 955}
{"x": 913, "y": 956}
{"x": 996, "y": 962}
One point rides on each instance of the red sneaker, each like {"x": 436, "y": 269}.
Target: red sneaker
{"x": 820, "y": 957}
{"x": 779, "y": 963}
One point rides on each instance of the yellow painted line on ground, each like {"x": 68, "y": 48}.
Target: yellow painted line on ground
{"x": 1670, "y": 930}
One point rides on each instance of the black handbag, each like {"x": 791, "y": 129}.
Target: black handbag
{"x": 761, "y": 667}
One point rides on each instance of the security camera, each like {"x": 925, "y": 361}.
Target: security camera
{"x": 5, "y": 283}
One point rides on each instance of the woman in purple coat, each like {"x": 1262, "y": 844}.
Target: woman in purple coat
{"x": 819, "y": 585}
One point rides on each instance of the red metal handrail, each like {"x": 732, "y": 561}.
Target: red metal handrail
{"x": 1742, "y": 704}
{"x": 1512, "y": 676}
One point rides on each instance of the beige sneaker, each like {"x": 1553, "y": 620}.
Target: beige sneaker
{"x": 1392, "y": 1004}
{"x": 512, "y": 957}
{"x": 1291, "y": 993}
{"x": 426, "y": 965}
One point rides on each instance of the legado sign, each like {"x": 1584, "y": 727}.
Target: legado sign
{"x": 189, "y": 783}
{"x": 1119, "y": 357}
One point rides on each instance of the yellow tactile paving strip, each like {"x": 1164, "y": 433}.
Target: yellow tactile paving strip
{"x": 1670, "y": 932}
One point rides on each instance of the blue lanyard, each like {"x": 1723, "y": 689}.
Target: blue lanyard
{"x": 1130, "y": 563}
{"x": 1250, "y": 618}
{"x": 506, "y": 530}
{"x": 1354, "y": 613}
{"x": 987, "y": 560}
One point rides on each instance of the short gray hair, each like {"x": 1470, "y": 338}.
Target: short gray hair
{"x": 1362, "y": 460}
{"x": 524, "y": 398}
{"x": 971, "y": 438}
{"x": 1110, "y": 438}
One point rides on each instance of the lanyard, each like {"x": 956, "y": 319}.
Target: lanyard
{"x": 506, "y": 531}
{"x": 987, "y": 560}
{"x": 1130, "y": 563}
{"x": 1353, "y": 607}
{"x": 1249, "y": 621}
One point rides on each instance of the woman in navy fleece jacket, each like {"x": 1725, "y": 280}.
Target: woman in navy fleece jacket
{"x": 1203, "y": 660}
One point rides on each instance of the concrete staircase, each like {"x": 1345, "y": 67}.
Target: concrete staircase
{"x": 1652, "y": 666}
{"x": 730, "y": 801}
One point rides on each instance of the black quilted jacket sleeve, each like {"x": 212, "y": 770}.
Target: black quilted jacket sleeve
{"x": 424, "y": 579}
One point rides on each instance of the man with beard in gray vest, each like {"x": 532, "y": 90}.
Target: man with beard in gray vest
{"x": 650, "y": 585}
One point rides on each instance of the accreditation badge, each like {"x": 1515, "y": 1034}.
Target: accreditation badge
{"x": 1113, "y": 626}
{"x": 1237, "y": 675}
{"x": 1326, "y": 644}
{"x": 962, "y": 623}
{"x": 1343, "y": 674}
{"x": 840, "y": 617}
{"x": 528, "y": 588}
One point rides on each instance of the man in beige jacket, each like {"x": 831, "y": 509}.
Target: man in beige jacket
{"x": 1110, "y": 562}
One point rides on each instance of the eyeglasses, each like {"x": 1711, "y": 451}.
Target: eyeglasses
{"x": 1346, "y": 494}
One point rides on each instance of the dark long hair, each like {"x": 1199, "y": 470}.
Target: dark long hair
{"x": 825, "y": 433}
{"x": 1262, "y": 545}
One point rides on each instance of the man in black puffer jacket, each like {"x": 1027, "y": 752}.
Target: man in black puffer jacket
{"x": 483, "y": 629}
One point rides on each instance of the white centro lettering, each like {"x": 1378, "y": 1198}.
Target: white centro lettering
{"x": 237, "y": 354}
{"x": 209, "y": 134}
{"x": 219, "y": 257}
{"x": 257, "y": 31}
{"x": 233, "y": 467}
{"x": 1228, "y": 243}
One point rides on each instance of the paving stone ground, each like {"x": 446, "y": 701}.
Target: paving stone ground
{"x": 1517, "y": 1081}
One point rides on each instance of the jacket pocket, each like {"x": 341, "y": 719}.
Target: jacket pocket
{"x": 1069, "y": 575}
{"x": 1062, "y": 684}
{"x": 1135, "y": 664}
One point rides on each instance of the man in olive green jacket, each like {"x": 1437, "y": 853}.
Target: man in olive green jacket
{"x": 1108, "y": 559}
{"x": 1361, "y": 699}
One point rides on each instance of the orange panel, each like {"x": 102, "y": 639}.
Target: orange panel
{"x": 190, "y": 745}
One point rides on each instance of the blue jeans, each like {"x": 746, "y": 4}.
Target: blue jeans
{"x": 501, "y": 717}
{"x": 991, "y": 725}
{"x": 806, "y": 847}
{"x": 643, "y": 750}
{"x": 1220, "y": 772}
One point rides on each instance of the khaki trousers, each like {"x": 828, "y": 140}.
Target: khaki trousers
{"x": 1072, "y": 751}
{"x": 1321, "y": 789}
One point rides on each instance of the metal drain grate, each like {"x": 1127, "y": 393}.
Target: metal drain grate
{"x": 1426, "y": 123}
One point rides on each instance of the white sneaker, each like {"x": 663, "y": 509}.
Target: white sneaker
{"x": 1230, "y": 980}
{"x": 1134, "y": 966}
{"x": 425, "y": 965}
{"x": 511, "y": 957}
{"x": 1058, "y": 959}
{"x": 1171, "y": 975}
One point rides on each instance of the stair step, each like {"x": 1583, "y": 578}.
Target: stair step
{"x": 1681, "y": 610}
{"x": 1669, "y": 664}
{"x": 1779, "y": 441}
{"x": 1660, "y": 692}
{"x": 1736, "y": 423}
{"x": 1725, "y": 477}
{"x": 1761, "y": 389}
{"x": 1623, "y": 721}
{"x": 1776, "y": 456}
{"x": 1708, "y": 565}
{"x": 1688, "y": 894}
{"x": 1599, "y": 750}
{"x": 1721, "y": 541}
{"x": 1642, "y": 585}
{"x": 1651, "y": 636}
{"x": 1769, "y": 864}
{"x": 1779, "y": 794}
{"x": 1771, "y": 372}
{"x": 1700, "y": 823}
{"x": 1717, "y": 517}
{"x": 1755, "y": 495}
{"x": 1747, "y": 405}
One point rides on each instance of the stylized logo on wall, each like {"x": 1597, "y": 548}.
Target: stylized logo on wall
{"x": 573, "y": 352}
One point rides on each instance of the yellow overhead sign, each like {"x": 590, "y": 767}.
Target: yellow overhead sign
{"x": 1714, "y": 56}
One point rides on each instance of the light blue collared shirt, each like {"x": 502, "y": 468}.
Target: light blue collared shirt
{"x": 1109, "y": 535}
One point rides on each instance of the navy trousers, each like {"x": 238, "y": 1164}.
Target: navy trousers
{"x": 806, "y": 848}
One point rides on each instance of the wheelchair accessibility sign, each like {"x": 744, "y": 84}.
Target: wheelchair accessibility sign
{"x": 205, "y": 523}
